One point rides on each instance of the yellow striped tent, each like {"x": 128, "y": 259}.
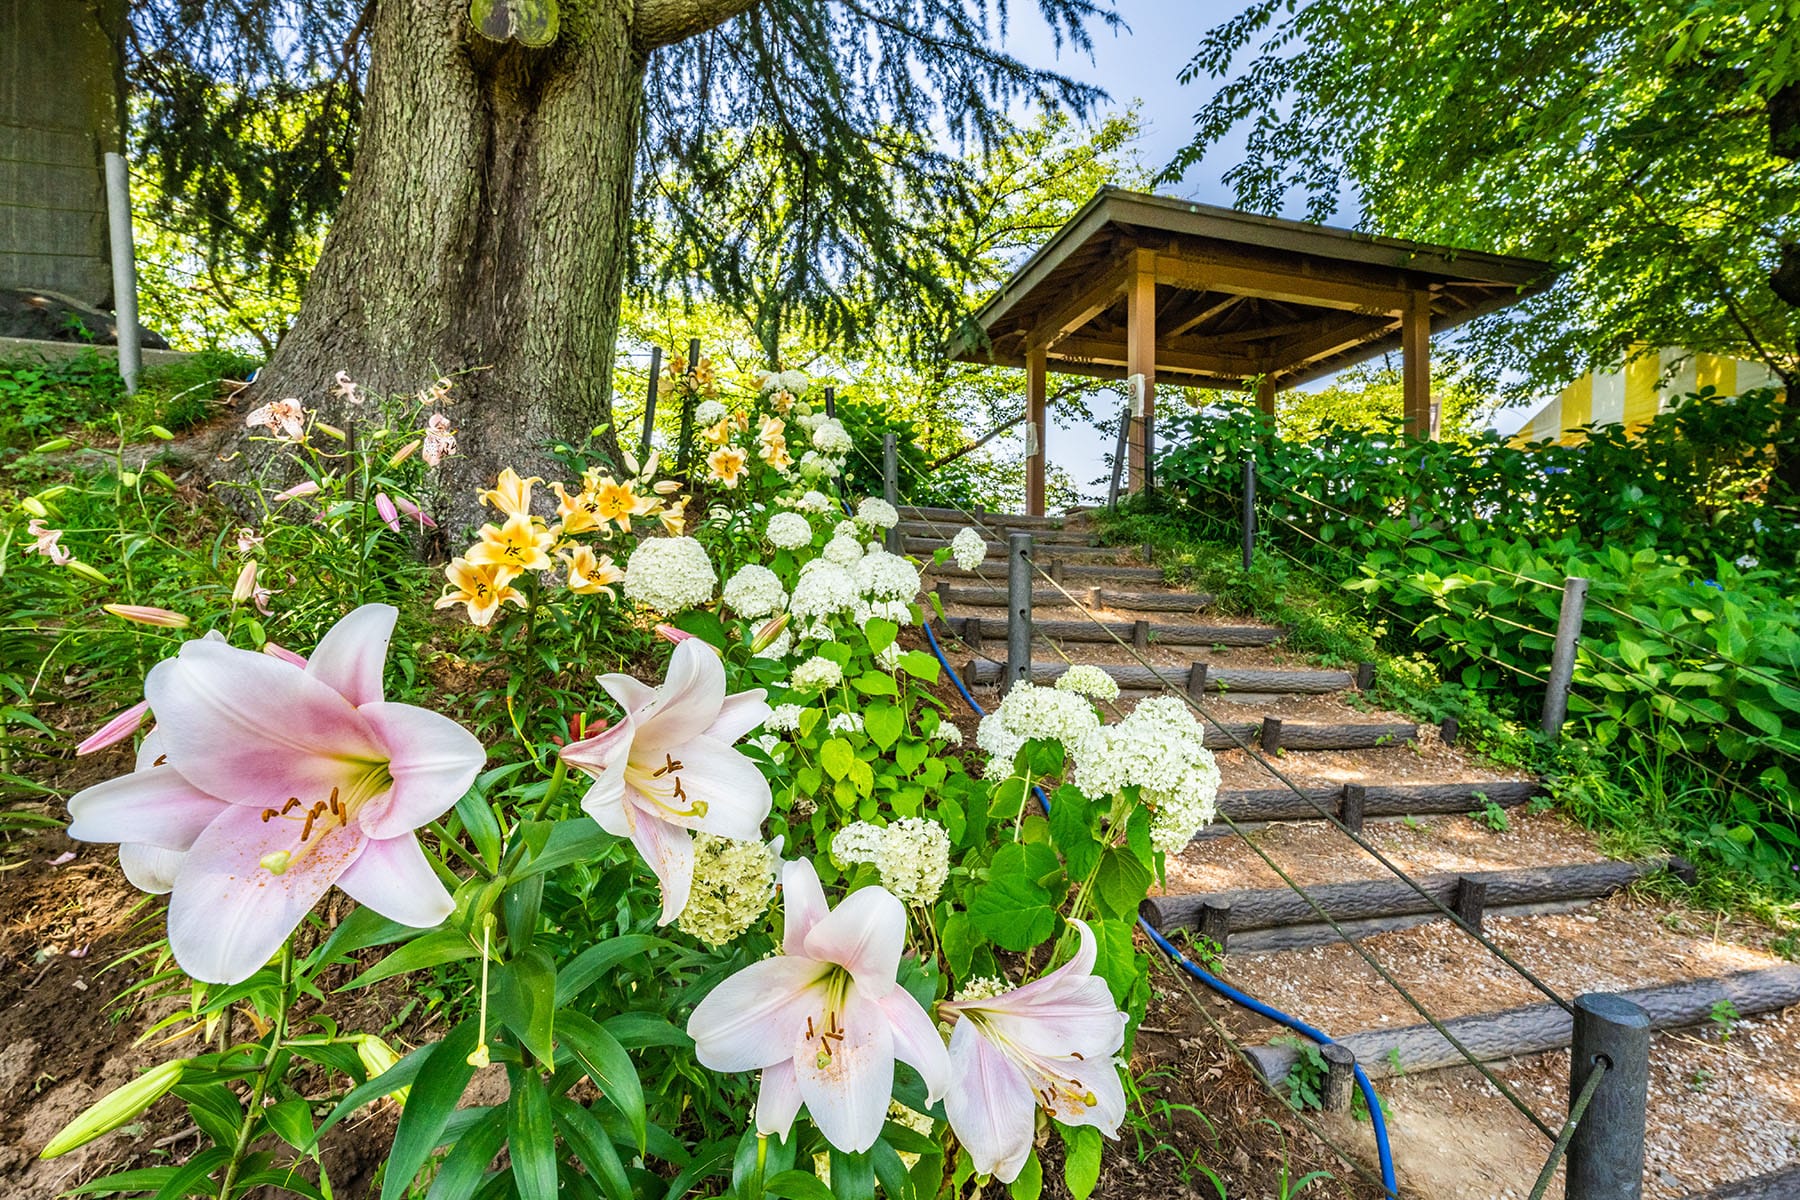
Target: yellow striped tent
{"x": 1641, "y": 389}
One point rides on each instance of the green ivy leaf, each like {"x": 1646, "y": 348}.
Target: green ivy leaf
{"x": 881, "y": 634}
{"x": 1081, "y": 1164}
{"x": 884, "y": 723}
{"x": 1121, "y": 883}
{"x": 836, "y": 757}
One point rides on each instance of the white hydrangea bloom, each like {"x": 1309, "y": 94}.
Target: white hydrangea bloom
{"x": 884, "y": 576}
{"x": 814, "y": 465}
{"x": 709, "y": 412}
{"x": 1029, "y": 712}
{"x": 812, "y": 420}
{"x": 733, "y": 884}
{"x": 824, "y": 589}
{"x": 785, "y": 718}
{"x": 788, "y": 530}
{"x": 768, "y": 743}
{"x": 1158, "y": 748}
{"x": 843, "y": 550}
{"x": 968, "y": 548}
{"x": 986, "y": 987}
{"x": 789, "y": 381}
{"x": 1748, "y": 562}
{"x": 898, "y": 611}
{"x": 670, "y": 574}
{"x": 755, "y": 591}
{"x": 889, "y": 657}
{"x": 1085, "y": 679}
{"x": 845, "y": 723}
{"x": 830, "y": 437}
{"x": 877, "y": 513}
{"x": 816, "y": 674}
{"x": 912, "y": 854}
{"x": 947, "y": 733}
{"x": 813, "y": 502}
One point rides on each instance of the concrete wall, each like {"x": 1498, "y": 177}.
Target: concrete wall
{"x": 61, "y": 108}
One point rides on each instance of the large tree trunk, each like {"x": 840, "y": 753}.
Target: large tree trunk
{"x": 483, "y": 232}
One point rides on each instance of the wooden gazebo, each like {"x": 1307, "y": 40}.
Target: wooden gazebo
{"x": 1138, "y": 285}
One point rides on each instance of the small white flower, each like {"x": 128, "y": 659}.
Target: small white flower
{"x": 1085, "y": 679}
{"x": 768, "y": 743}
{"x": 824, "y": 589}
{"x": 889, "y": 657}
{"x": 784, "y": 719}
{"x": 816, "y": 674}
{"x": 754, "y": 591}
{"x": 968, "y": 548}
{"x": 789, "y": 530}
{"x": 1030, "y": 712}
{"x": 814, "y": 465}
{"x": 877, "y": 513}
{"x": 846, "y": 723}
{"x": 1748, "y": 562}
{"x": 670, "y": 574}
{"x": 985, "y": 987}
{"x": 709, "y": 412}
{"x": 814, "y": 502}
{"x": 947, "y": 733}
{"x": 912, "y": 855}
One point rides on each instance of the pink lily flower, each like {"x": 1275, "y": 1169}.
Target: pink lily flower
{"x": 667, "y": 767}
{"x": 46, "y": 541}
{"x": 276, "y": 782}
{"x": 384, "y": 507}
{"x": 825, "y": 1019}
{"x": 117, "y": 728}
{"x": 1052, "y": 1044}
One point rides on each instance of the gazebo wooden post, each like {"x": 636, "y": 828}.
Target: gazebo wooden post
{"x": 1265, "y": 395}
{"x": 1415, "y": 369}
{"x": 1036, "y": 361}
{"x": 1140, "y": 351}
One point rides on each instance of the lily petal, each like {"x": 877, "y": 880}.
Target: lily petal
{"x": 350, "y": 657}
{"x": 631, "y": 694}
{"x": 847, "y": 1091}
{"x": 604, "y": 756}
{"x": 1099, "y": 1078}
{"x": 228, "y": 915}
{"x": 150, "y": 868}
{"x": 917, "y": 1041}
{"x": 741, "y": 712}
{"x": 990, "y": 1105}
{"x": 741, "y": 1025}
{"x": 393, "y": 877}
{"x": 122, "y": 725}
{"x": 777, "y": 1101}
{"x": 689, "y": 700}
{"x": 802, "y": 904}
{"x": 864, "y": 934}
{"x": 432, "y": 760}
{"x": 253, "y": 730}
{"x": 668, "y": 850}
{"x": 152, "y": 807}
{"x": 735, "y": 793}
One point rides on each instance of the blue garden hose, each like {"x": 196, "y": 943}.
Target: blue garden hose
{"x": 1377, "y": 1123}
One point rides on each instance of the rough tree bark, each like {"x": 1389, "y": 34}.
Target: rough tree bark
{"x": 484, "y": 227}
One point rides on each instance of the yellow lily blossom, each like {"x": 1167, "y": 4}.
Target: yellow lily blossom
{"x": 674, "y": 517}
{"x": 619, "y": 502}
{"x": 727, "y": 465}
{"x": 481, "y": 586}
{"x": 589, "y": 573}
{"x": 580, "y": 512}
{"x": 776, "y": 454}
{"x": 519, "y": 545}
{"x": 772, "y": 434}
{"x": 720, "y": 433}
{"x": 510, "y": 494}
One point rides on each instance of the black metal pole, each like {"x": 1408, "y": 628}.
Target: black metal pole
{"x": 684, "y": 453}
{"x": 1018, "y": 615}
{"x": 831, "y": 402}
{"x": 1249, "y": 508}
{"x": 1606, "y": 1155}
{"x": 890, "y": 485}
{"x": 650, "y": 401}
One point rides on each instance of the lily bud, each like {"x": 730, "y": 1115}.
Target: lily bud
{"x": 631, "y": 462}
{"x": 389, "y": 514}
{"x": 145, "y": 614}
{"x": 377, "y": 1059}
{"x": 246, "y": 583}
{"x": 34, "y": 506}
{"x": 116, "y": 1108}
{"x": 767, "y": 635}
{"x": 414, "y": 511}
{"x": 405, "y": 452}
{"x": 667, "y": 487}
{"x": 121, "y": 726}
{"x": 669, "y": 633}
{"x": 330, "y": 431}
{"x": 298, "y": 491}
{"x": 53, "y": 445}
{"x": 87, "y": 572}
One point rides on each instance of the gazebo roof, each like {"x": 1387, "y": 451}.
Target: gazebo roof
{"x": 1238, "y": 296}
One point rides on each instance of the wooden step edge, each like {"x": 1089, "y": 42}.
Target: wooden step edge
{"x": 1086, "y": 595}
{"x": 997, "y": 551}
{"x": 973, "y": 630}
{"x": 985, "y": 672}
{"x": 1540, "y": 1028}
{"x": 1372, "y": 800}
{"x": 1261, "y": 909}
{"x": 943, "y": 531}
{"x": 1779, "y": 1185}
{"x": 1303, "y": 937}
{"x": 993, "y": 572}
{"x": 934, "y": 513}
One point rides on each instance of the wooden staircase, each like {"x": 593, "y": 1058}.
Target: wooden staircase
{"x": 1384, "y": 776}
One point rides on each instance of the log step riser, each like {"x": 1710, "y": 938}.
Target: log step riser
{"x": 1089, "y": 597}
{"x": 1109, "y": 632}
{"x": 983, "y": 672}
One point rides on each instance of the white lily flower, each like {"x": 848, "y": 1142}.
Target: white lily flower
{"x": 825, "y": 1020}
{"x": 668, "y": 767}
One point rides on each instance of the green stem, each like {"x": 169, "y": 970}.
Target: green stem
{"x": 558, "y": 773}
{"x": 253, "y": 1110}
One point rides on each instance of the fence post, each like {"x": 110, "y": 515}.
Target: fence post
{"x": 1018, "y": 616}
{"x": 831, "y": 402}
{"x": 124, "y": 268}
{"x": 1606, "y": 1155}
{"x": 1562, "y": 659}
{"x": 1249, "y": 490}
{"x": 1112, "y": 493}
{"x": 890, "y": 485}
{"x": 683, "y": 452}
{"x": 650, "y": 402}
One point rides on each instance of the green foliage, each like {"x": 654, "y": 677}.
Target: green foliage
{"x": 1641, "y": 145}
